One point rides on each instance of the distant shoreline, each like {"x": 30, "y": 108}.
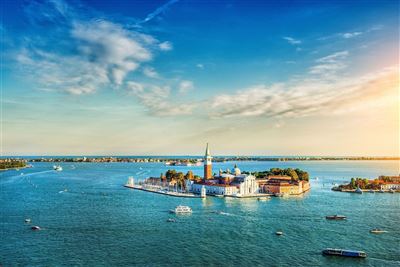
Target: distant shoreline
{"x": 190, "y": 159}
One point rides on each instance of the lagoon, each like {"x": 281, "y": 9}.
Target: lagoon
{"x": 89, "y": 219}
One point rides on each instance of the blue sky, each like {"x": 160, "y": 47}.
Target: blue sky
{"x": 164, "y": 77}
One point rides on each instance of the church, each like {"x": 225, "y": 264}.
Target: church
{"x": 226, "y": 183}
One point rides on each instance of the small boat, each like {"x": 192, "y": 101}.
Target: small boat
{"x": 381, "y": 191}
{"x": 377, "y": 231}
{"x": 181, "y": 210}
{"x": 219, "y": 195}
{"x": 263, "y": 198}
{"x": 391, "y": 191}
{"x": 358, "y": 191}
{"x": 278, "y": 194}
{"x": 371, "y": 191}
{"x": 57, "y": 168}
{"x": 27, "y": 220}
{"x": 171, "y": 220}
{"x": 279, "y": 233}
{"x": 344, "y": 253}
{"x": 335, "y": 217}
{"x": 35, "y": 228}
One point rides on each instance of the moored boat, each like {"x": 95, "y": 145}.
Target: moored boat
{"x": 181, "y": 210}
{"x": 263, "y": 198}
{"x": 358, "y": 191}
{"x": 335, "y": 217}
{"x": 344, "y": 253}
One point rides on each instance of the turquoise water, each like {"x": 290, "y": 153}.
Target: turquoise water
{"x": 97, "y": 222}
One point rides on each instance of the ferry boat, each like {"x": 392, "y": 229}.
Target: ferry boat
{"x": 377, "y": 231}
{"x": 181, "y": 210}
{"x": 344, "y": 253}
{"x": 336, "y": 217}
{"x": 57, "y": 168}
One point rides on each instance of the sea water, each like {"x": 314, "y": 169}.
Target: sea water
{"x": 89, "y": 219}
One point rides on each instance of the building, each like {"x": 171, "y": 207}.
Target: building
{"x": 390, "y": 186}
{"x": 228, "y": 183}
{"x": 284, "y": 185}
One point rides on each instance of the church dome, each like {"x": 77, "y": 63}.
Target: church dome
{"x": 236, "y": 170}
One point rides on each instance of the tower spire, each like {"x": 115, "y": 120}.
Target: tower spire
{"x": 207, "y": 151}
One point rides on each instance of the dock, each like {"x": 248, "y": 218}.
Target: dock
{"x": 163, "y": 192}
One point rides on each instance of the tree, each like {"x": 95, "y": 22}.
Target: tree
{"x": 353, "y": 183}
{"x": 189, "y": 175}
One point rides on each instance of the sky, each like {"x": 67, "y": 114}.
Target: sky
{"x": 93, "y": 77}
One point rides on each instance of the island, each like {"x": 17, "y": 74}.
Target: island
{"x": 228, "y": 183}
{"x": 9, "y": 164}
{"x": 381, "y": 184}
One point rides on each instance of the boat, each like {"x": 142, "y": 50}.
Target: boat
{"x": 344, "y": 253}
{"x": 263, "y": 198}
{"x": 358, "y": 191}
{"x": 171, "y": 220}
{"x": 279, "y": 233}
{"x": 278, "y": 194}
{"x": 377, "y": 231}
{"x": 35, "y": 228}
{"x": 181, "y": 210}
{"x": 391, "y": 191}
{"x": 57, "y": 168}
{"x": 335, "y": 217}
{"x": 381, "y": 191}
{"x": 219, "y": 195}
{"x": 27, "y": 220}
{"x": 371, "y": 191}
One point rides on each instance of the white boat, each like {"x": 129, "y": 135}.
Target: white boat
{"x": 377, "y": 231}
{"x": 181, "y": 210}
{"x": 57, "y": 168}
{"x": 279, "y": 233}
{"x": 263, "y": 198}
{"x": 358, "y": 191}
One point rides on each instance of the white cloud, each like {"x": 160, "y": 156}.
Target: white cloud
{"x": 348, "y": 35}
{"x": 157, "y": 100}
{"x": 185, "y": 86}
{"x": 200, "y": 66}
{"x": 292, "y": 41}
{"x": 165, "y": 46}
{"x": 330, "y": 65}
{"x": 307, "y": 96}
{"x": 150, "y": 72}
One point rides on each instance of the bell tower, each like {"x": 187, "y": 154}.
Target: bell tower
{"x": 207, "y": 164}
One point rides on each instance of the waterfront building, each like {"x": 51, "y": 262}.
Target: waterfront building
{"x": 285, "y": 185}
{"x": 390, "y": 186}
{"x": 228, "y": 183}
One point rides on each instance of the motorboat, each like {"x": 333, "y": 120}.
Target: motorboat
{"x": 358, "y": 191}
{"x": 27, "y": 220}
{"x": 279, "y": 233}
{"x": 335, "y": 217}
{"x": 181, "y": 210}
{"x": 171, "y": 220}
{"x": 35, "y": 228}
{"x": 377, "y": 231}
{"x": 57, "y": 168}
{"x": 263, "y": 198}
{"x": 279, "y": 194}
{"x": 344, "y": 253}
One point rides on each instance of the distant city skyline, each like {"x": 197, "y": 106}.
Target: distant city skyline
{"x": 91, "y": 77}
